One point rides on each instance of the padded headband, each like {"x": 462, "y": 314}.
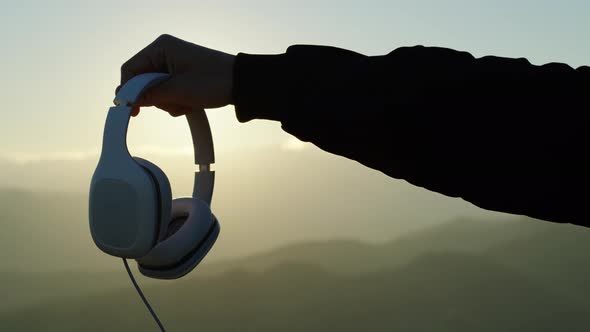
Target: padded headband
{"x": 117, "y": 124}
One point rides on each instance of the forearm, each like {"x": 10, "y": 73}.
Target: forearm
{"x": 500, "y": 133}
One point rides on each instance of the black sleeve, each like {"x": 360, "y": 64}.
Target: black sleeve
{"x": 501, "y": 133}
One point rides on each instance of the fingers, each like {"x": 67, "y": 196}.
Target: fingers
{"x": 175, "y": 110}
{"x": 172, "y": 109}
{"x": 167, "y": 96}
{"x": 151, "y": 59}
{"x": 176, "y": 90}
{"x": 161, "y": 94}
{"x": 155, "y": 57}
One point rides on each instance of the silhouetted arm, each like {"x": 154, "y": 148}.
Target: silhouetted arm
{"x": 498, "y": 132}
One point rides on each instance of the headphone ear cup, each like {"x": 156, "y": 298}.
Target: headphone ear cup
{"x": 164, "y": 194}
{"x": 124, "y": 218}
{"x": 190, "y": 236}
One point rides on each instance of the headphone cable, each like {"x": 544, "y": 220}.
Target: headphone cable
{"x": 143, "y": 297}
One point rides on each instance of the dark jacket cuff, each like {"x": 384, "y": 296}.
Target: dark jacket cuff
{"x": 258, "y": 87}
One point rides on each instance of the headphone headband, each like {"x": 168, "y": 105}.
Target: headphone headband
{"x": 115, "y": 134}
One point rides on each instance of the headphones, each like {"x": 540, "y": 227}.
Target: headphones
{"x": 131, "y": 211}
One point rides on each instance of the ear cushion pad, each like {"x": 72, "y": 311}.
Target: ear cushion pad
{"x": 179, "y": 253}
{"x": 165, "y": 194}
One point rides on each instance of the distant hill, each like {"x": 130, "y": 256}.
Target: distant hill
{"x": 25, "y": 289}
{"x": 465, "y": 275}
{"x": 556, "y": 255}
{"x": 44, "y": 231}
{"x": 435, "y": 292}
{"x": 461, "y": 235}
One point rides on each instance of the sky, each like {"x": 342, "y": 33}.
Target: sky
{"x": 60, "y": 59}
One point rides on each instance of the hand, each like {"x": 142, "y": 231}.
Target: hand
{"x": 200, "y": 77}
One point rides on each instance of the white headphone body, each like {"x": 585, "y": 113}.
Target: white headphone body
{"x": 131, "y": 211}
